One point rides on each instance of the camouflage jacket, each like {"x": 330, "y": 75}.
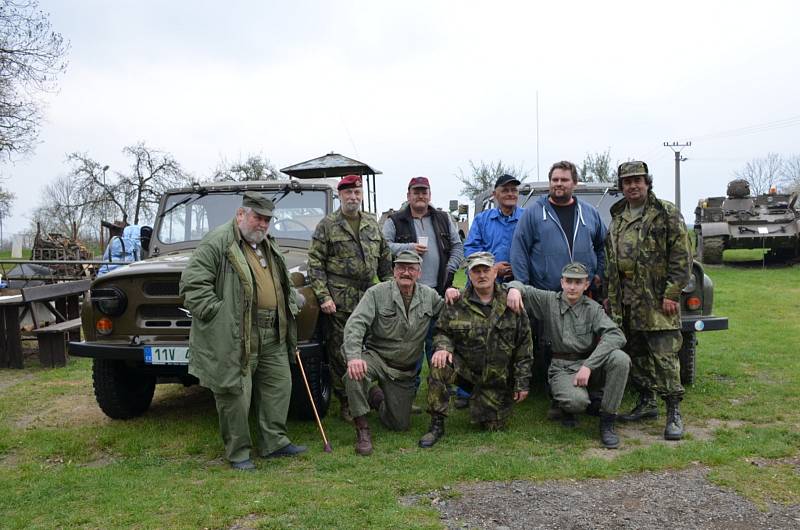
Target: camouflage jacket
{"x": 658, "y": 244}
{"x": 495, "y": 350}
{"x": 341, "y": 265}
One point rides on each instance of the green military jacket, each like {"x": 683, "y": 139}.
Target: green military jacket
{"x": 659, "y": 246}
{"x": 496, "y": 350}
{"x": 342, "y": 265}
{"x": 396, "y": 337}
{"x": 573, "y": 329}
{"x": 217, "y": 287}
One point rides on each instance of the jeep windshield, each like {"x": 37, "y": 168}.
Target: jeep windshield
{"x": 190, "y": 216}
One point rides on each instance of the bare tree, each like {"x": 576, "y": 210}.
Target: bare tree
{"x": 68, "y": 207}
{"x": 482, "y": 176}
{"x": 596, "y": 167}
{"x": 6, "y": 202}
{"x": 92, "y": 190}
{"x": 31, "y": 56}
{"x": 762, "y": 173}
{"x": 790, "y": 174}
{"x": 153, "y": 173}
{"x": 256, "y": 167}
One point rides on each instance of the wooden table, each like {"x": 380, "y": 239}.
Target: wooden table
{"x": 60, "y": 299}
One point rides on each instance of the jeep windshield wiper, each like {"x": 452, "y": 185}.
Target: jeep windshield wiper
{"x": 285, "y": 191}
{"x": 186, "y": 200}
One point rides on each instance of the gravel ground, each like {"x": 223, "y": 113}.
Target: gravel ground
{"x": 673, "y": 500}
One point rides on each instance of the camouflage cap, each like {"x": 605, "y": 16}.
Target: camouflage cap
{"x": 480, "y": 258}
{"x": 575, "y": 270}
{"x": 407, "y": 256}
{"x": 636, "y": 168}
{"x": 260, "y": 204}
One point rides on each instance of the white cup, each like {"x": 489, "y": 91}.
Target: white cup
{"x": 422, "y": 240}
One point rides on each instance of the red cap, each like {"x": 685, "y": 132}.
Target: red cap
{"x": 350, "y": 181}
{"x": 419, "y": 182}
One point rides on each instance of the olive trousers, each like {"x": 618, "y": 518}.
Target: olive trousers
{"x": 575, "y": 399}
{"x": 398, "y": 392}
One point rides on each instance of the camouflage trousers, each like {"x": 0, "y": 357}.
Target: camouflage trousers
{"x": 485, "y": 404}
{"x": 334, "y": 326}
{"x": 655, "y": 366}
{"x": 574, "y": 399}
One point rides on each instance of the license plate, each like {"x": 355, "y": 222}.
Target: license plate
{"x": 166, "y": 355}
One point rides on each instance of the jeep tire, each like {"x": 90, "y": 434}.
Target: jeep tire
{"x": 121, "y": 391}
{"x": 319, "y": 380}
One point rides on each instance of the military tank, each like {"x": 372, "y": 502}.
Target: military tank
{"x": 743, "y": 221}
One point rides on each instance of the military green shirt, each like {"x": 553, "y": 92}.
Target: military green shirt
{"x": 343, "y": 264}
{"x": 495, "y": 350}
{"x": 395, "y": 335}
{"x": 573, "y": 329}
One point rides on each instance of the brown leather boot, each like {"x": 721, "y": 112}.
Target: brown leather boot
{"x": 363, "y": 438}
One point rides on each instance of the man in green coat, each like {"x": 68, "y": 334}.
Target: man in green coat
{"x": 347, "y": 252}
{"x": 243, "y": 331}
{"x": 585, "y": 345}
{"x": 648, "y": 264}
{"x": 382, "y": 341}
{"x": 482, "y": 346}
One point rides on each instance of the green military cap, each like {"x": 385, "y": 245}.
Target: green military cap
{"x": 575, "y": 270}
{"x": 480, "y": 258}
{"x": 407, "y": 256}
{"x": 636, "y": 168}
{"x": 260, "y": 204}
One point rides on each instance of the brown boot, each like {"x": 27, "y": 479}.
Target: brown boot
{"x": 363, "y": 438}
{"x": 375, "y": 397}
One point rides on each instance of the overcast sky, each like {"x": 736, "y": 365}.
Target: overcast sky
{"x": 421, "y": 88}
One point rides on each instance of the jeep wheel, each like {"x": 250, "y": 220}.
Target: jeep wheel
{"x": 686, "y": 355}
{"x": 122, "y": 392}
{"x": 711, "y": 249}
{"x": 319, "y": 379}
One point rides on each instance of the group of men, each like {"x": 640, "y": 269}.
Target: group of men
{"x": 531, "y": 273}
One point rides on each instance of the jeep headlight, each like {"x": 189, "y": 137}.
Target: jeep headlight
{"x": 110, "y": 300}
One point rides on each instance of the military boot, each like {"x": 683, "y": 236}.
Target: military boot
{"x": 608, "y": 437}
{"x": 568, "y": 419}
{"x": 645, "y": 408}
{"x": 363, "y": 437}
{"x": 435, "y": 432}
{"x": 674, "y": 428}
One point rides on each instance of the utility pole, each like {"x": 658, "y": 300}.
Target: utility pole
{"x": 676, "y": 148}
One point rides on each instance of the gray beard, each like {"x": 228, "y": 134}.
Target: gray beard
{"x": 253, "y": 237}
{"x": 350, "y": 210}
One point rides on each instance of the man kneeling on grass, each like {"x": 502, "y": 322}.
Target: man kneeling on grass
{"x": 483, "y": 347}
{"x": 586, "y": 345}
{"x": 394, "y": 317}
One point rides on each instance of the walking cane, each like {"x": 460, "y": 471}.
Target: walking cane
{"x": 327, "y": 448}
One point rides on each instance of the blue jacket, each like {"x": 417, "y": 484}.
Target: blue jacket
{"x": 540, "y": 249}
{"x": 491, "y": 231}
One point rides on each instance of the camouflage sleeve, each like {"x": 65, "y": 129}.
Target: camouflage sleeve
{"x": 198, "y": 282}
{"x": 612, "y": 280}
{"x": 442, "y": 335}
{"x": 523, "y": 355}
{"x": 357, "y": 325}
{"x": 385, "y": 261}
{"x": 317, "y": 259}
{"x": 679, "y": 258}
{"x": 611, "y": 338}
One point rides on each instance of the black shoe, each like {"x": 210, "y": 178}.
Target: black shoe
{"x": 435, "y": 432}
{"x": 554, "y": 412}
{"x": 644, "y": 409}
{"x": 568, "y": 419}
{"x": 608, "y": 437}
{"x": 244, "y": 465}
{"x": 594, "y": 406}
{"x": 674, "y": 428}
{"x": 289, "y": 450}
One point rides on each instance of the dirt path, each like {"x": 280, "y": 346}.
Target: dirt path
{"x": 673, "y": 499}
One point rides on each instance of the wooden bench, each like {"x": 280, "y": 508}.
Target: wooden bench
{"x": 53, "y": 341}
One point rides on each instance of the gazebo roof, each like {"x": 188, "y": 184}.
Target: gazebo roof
{"x": 330, "y": 165}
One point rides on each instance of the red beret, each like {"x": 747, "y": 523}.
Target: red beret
{"x": 350, "y": 181}
{"x": 419, "y": 182}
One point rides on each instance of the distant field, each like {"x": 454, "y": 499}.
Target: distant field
{"x": 64, "y": 464}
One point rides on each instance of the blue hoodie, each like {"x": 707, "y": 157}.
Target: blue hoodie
{"x": 540, "y": 249}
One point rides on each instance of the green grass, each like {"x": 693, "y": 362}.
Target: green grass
{"x": 63, "y": 464}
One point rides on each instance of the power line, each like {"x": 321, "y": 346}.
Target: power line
{"x": 792, "y": 121}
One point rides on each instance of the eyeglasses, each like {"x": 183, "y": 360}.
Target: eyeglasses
{"x": 406, "y": 267}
